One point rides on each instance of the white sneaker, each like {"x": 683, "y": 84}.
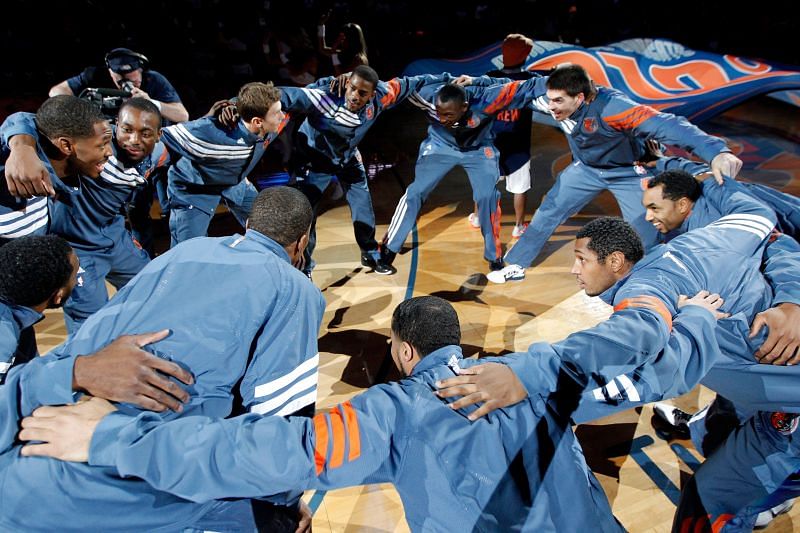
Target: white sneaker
{"x": 765, "y": 517}
{"x": 518, "y": 230}
{"x": 473, "y": 220}
{"x": 509, "y": 273}
{"x": 672, "y": 415}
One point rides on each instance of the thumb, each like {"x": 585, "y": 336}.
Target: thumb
{"x": 758, "y": 323}
{"x": 144, "y": 339}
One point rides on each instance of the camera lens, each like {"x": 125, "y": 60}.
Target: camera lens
{"x": 127, "y": 85}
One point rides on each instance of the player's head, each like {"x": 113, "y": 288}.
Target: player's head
{"x": 669, "y": 199}
{"x": 138, "y": 128}
{"x": 605, "y": 250}
{"x": 259, "y": 106}
{"x": 284, "y": 215}
{"x": 515, "y": 48}
{"x": 568, "y": 87}
{"x": 451, "y": 104}
{"x": 360, "y": 87}
{"x": 78, "y": 131}
{"x": 37, "y": 271}
{"x": 420, "y": 326}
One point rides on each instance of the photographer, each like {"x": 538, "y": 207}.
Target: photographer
{"x": 128, "y": 71}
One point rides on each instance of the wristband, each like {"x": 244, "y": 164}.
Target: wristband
{"x": 335, "y": 60}
{"x": 157, "y": 104}
{"x": 321, "y": 31}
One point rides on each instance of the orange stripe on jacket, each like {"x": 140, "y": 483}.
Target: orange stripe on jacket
{"x": 647, "y": 302}
{"x": 720, "y": 522}
{"x": 337, "y": 430}
{"x": 320, "y": 442}
{"x": 630, "y": 118}
{"x": 391, "y": 96}
{"x": 352, "y": 431}
{"x": 504, "y": 98}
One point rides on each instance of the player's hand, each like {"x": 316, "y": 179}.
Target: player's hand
{"x": 725, "y": 164}
{"x": 123, "y": 372}
{"x": 26, "y": 175}
{"x": 136, "y": 92}
{"x": 782, "y": 346}
{"x": 463, "y": 80}
{"x": 709, "y": 302}
{"x": 339, "y": 83}
{"x": 65, "y": 432}
{"x": 494, "y": 384}
{"x": 305, "y": 515}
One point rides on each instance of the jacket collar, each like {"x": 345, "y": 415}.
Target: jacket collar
{"x": 450, "y": 355}
{"x": 25, "y": 317}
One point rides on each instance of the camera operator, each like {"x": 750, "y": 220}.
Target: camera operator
{"x": 127, "y": 71}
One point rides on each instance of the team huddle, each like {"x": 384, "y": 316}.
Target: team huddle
{"x": 171, "y": 412}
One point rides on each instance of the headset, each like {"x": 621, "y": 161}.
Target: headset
{"x": 120, "y": 52}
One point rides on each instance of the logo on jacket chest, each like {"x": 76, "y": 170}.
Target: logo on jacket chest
{"x": 590, "y": 125}
{"x": 370, "y": 112}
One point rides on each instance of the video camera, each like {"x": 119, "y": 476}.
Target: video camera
{"x": 108, "y": 100}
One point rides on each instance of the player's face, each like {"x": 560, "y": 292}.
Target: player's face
{"x": 664, "y": 214}
{"x": 65, "y": 291}
{"x": 357, "y": 93}
{"x": 135, "y": 76}
{"x": 562, "y": 105}
{"x": 273, "y": 119}
{"x": 396, "y": 348}
{"x": 91, "y": 153}
{"x": 137, "y": 133}
{"x": 450, "y": 113}
{"x": 592, "y": 275}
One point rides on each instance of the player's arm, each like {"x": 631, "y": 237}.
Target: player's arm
{"x": 26, "y": 175}
{"x": 201, "y": 459}
{"x": 512, "y": 95}
{"x": 622, "y": 114}
{"x": 60, "y": 88}
{"x": 781, "y": 268}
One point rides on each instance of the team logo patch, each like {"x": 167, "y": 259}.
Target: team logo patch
{"x": 370, "y": 112}
{"x": 640, "y": 170}
{"x": 488, "y": 152}
{"x": 590, "y": 125}
{"x": 785, "y": 423}
{"x": 472, "y": 122}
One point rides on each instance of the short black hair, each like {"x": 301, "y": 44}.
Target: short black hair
{"x": 572, "y": 79}
{"x": 427, "y": 323}
{"x": 367, "y": 74}
{"x": 142, "y": 104}
{"x": 33, "y": 268}
{"x": 677, "y": 184}
{"x": 450, "y": 92}
{"x": 612, "y": 234}
{"x": 68, "y": 116}
{"x": 281, "y": 213}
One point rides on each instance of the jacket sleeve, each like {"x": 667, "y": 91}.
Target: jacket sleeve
{"x": 690, "y": 352}
{"x": 201, "y": 459}
{"x": 681, "y": 163}
{"x": 45, "y": 380}
{"x": 636, "y": 333}
{"x": 396, "y": 90}
{"x": 18, "y": 124}
{"x": 625, "y": 115}
{"x": 305, "y": 99}
{"x": 512, "y": 95}
{"x": 186, "y": 140}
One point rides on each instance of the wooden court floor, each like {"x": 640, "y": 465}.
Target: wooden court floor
{"x": 640, "y": 473}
